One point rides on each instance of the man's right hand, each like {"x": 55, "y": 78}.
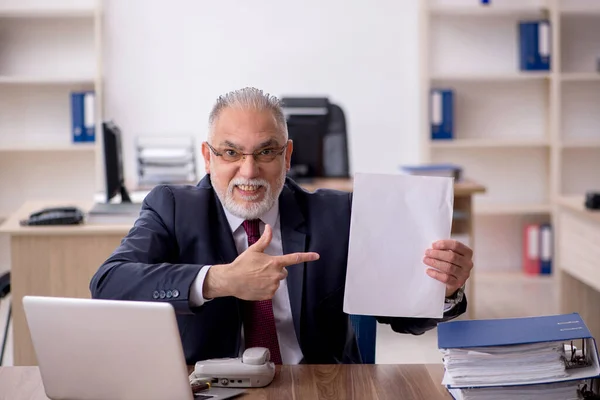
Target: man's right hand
{"x": 253, "y": 275}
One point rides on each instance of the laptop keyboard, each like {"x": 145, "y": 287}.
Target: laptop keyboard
{"x": 202, "y": 396}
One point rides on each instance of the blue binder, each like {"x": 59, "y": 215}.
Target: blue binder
{"x": 535, "y": 45}
{"x": 442, "y": 114}
{"x": 545, "y": 249}
{"x": 82, "y": 116}
{"x": 515, "y": 331}
{"x": 510, "y": 331}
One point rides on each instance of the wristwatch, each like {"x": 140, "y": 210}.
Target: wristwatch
{"x": 457, "y": 297}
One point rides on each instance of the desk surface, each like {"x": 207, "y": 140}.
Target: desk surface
{"x": 577, "y": 204}
{"x": 463, "y": 188}
{"x": 11, "y": 225}
{"x": 406, "y": 381}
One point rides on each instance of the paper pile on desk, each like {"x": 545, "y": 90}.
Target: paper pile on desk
{"x": 518, "y": 358}
{"x": 550, "y": 391}
{"x": 395, "y": 219}
{"x": 504, "y": 364}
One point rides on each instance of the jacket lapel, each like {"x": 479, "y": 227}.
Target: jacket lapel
{"x": 293, "y": 238}
{"x": 221, "y": 235}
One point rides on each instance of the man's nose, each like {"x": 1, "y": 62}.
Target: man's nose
{"x": 249, "y": 167}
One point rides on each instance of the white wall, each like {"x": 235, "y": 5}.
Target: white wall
{"x": 166, "y": 62}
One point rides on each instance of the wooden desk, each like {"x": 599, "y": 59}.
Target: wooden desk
{"x": 61, "y": 260}
{"x": 52, "y": 261}
{"x": 577, "y": 251}
{"x": 407, "y": 382}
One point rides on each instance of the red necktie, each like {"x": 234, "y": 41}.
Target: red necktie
{"x": 259, "y": 321}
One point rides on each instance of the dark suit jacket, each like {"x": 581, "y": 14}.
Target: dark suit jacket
{"x": 182, "y": 229}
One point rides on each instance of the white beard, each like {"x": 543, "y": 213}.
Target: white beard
{"x": 251, "y": 210}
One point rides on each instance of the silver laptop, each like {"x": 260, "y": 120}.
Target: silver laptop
{"x": 110, "y": 350}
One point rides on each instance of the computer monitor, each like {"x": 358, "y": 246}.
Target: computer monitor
{"x": 113, "y": 163}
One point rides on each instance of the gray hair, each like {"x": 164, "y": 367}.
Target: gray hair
{"x": 248, "y": 98}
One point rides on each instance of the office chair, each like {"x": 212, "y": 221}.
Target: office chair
{"x": 335, "y": 145}
{"x": 4, "y": 292}
{"x": 334, "y": 160}
{"x": 365, "y": 327}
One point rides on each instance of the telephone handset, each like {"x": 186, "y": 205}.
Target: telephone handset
{"x": 253, "y": 369}
{"x": 55, "y": 216}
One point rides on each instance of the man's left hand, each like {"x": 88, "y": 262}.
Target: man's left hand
{"x": 451, "y": 262}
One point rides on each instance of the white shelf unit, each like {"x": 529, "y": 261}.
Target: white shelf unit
{"x": 530, "y": 137}
{"x": 578, "y": 94}
{"x": 503, "y": 135}
{"x": 49, "y": 49}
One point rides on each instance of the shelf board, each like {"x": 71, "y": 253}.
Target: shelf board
{"x": 490, "y": 11}
{"x": 28, "y": 147}
{"x": 6, "y": 12}
{"x": 595, "y": 11}
{"x": 45, "y": 80}
{"x": 580, "y": 77}
{"x": 506, "y": 77}
{"x": 512, "y": 209}
{"x": 487, "y": 143}
{"x": 580, "y": 143}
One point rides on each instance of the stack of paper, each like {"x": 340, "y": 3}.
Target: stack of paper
{"x": 522, "y": 358}
{"x": 550, "y": 391}
{"x": 504, "y": 364}
{"x": 166, "y": 160}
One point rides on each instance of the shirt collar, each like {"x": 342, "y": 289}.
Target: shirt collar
{"x": 270, "y": 217}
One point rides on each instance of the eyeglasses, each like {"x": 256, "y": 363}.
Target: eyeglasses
{"x": 262, "y": 156}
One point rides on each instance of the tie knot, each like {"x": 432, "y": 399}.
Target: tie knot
{"x": 252, "y": 228}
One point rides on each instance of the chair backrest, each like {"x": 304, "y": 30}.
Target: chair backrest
{"x": 365, "y": 327}
{"x": 4, "y": 284}
{"x": 334, "y": 146}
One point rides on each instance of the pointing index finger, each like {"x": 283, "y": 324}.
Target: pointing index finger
{"x": 296, "y": 258}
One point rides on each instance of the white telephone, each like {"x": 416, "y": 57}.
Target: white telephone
{"x": 253, "y": 369}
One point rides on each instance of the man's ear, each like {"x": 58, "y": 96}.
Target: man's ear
{"x": 206, "y": 155}
{"x": 288, "y": 155}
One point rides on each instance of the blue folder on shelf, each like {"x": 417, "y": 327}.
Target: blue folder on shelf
{"x": 442, "y": 114}
{"x": 545, "y": 249}
{"x": 518, "y": 331}
{"x": 82, "y": 116}
{"x": 535, "y": 45}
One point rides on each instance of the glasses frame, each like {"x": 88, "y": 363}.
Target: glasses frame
{"x": 279, "y": 151}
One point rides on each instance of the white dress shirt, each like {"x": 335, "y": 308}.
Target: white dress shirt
{"x": 282, "y": 309}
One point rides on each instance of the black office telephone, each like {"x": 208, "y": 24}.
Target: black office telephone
{"x": 55, "y": 216}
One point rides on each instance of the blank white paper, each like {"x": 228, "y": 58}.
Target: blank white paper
{"x": 395, "y": 219}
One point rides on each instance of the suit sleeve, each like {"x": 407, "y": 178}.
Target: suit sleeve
{"x": 418, "y": 326}
{"x": 139, "y": 269}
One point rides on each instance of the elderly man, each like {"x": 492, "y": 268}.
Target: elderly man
{"x": 248, "y": 258}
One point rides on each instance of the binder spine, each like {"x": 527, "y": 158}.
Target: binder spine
{"x": 77, "y": 117}
{"x": 535, "y": 45}
{"x": 531, "y": 248}
{"x": 442, "y": 114}
{"x": 88, "y": 116}
{"x": 83, "y": 117}
{"x": 546, "y": 249}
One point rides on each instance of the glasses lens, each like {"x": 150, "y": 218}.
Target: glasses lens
{"x": 231, "y": 155}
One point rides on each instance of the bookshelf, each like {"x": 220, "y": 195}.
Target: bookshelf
{"x": 49, "y": 49}
{"x": 529, "y": 137}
